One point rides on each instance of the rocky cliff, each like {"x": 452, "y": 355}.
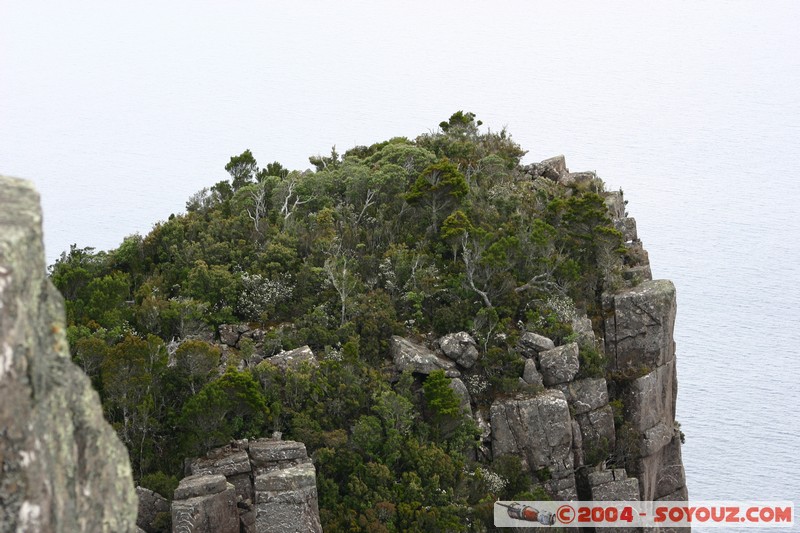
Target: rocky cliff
{"x": 63, "y": 469}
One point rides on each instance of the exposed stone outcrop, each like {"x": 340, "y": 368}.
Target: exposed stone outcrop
{"x": 640, "y": 352}
{"x": 154, "y": 510}
{"x": 60, "y": 462}
{"x": 205, "y": 503}
{"x": 461, "y": 348}
{"x": 414, "y": 357}
{"x": 273, "y": 483}
{"x": 531, "y": 344}
{"x": 293, "y": 359}
{"x": 559, "y": 365}
{"x": 552, "y": 169}
{"x": 539, "y": 430}
{"x": 286, "y": 500}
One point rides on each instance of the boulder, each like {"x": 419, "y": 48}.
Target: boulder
{"x": 461, "y": 348}
{"x": 267, "y": 455}
{"x": 229, "y": 334}
{"x": 153, "y": 509}
{"x": 205, "y": 503}
{"x": 577, "y": 179}
{"x": 531, "y": 375}
{"x": 293, "y": 359}
{"x": 230, "y": 462}
{"x": 585, "y": 395}
{"x": 552, "y": 168}
{"x": 409, "y": 355}
{"x": 639, "y": 326}
{"x": 200, "y": 485}
{"x": 62, "y": 463}
{"x": 559, "y": 365}
{"x": 463, "y": 395}
{"x": 530, "y": 344}
{"x": 286, "y": 501}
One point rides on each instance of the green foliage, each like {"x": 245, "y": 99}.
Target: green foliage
{"x": 161, "y": 483}
{"x": 432, "y": 235}
{"x": 592, "y": 363}
{"x": 242, "y": 169}
{"x": 231, "y": 407}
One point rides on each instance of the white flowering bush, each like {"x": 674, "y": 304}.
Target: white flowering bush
{"x": 260, "y": 295}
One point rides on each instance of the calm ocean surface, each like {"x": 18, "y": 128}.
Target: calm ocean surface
{"x": 119, "y": 112}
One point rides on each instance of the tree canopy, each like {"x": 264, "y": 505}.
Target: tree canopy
{"x": 442, "y": 233}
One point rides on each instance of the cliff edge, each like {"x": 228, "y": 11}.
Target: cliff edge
{"x": 63, "y": 467}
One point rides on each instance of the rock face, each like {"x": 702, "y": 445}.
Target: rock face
{"x": 409, "y": 355}
{"x": 639, "y": 346}
{"x": 205, "y": 503}
{"x": 286, "y": 500}
{"x": 539, "y": 430}
{"x": 61, "y": 461}
{"x": 273, "y": 484}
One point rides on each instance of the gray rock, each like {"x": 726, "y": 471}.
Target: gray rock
{"x": 552, "y": 168}
{"x": 637, "y": 274}
{"x": 408, "y": 355}
{"x": 558, "y": 164}
{"x": 577, "y": 179}
{"x": 286, "y": 501}
{"x": 537, "y": 429}
{"x": 577, "y": 444}
{"x": 623, "y": 490}
{"x": 627, "y": 226}
{"x": 200, "y": 485}
{"x": 530, "y": 375}
{"x": 597, "y": 429}
{"x": 559, "y": 365}
{"x": 650, "y": 399}
{"x": 639, "y": 327}
{"x": 62, "y": 463}
{"x": 225, "y": 461}
{"x": 293, "y": 359}
{"x": 264, "y": 452}
{"x": 637, "y": 255}
{"x": 461, "y": 348}
{"x": 585, "y": 395}
{"x": 463, "y": 395}
{"x": 662, "y": 474}
{"x": 582, "y": 326}
{"x": 229, "y": 334}
{"x": 208, "y": 512}
{"x": 152, "y": 506}
{"x": 530, "y": 344}
{"x": 615, "y": 202}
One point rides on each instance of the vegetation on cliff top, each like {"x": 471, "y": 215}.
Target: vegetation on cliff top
{"x": 443, "y": 233}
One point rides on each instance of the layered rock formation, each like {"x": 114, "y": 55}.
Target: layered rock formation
{"x": 60, "y": 462}
{"x": 261, "y": 486}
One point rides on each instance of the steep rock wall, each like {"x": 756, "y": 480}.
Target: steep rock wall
{"x": 62, "y": 467}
